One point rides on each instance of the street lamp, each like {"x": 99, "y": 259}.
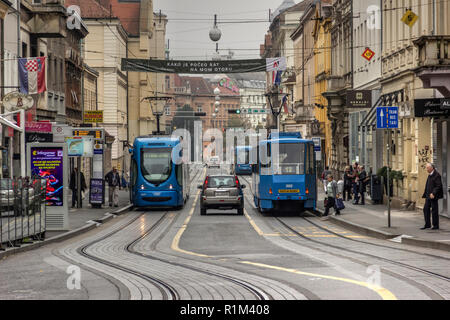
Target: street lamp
{"x": 275, "y": 103}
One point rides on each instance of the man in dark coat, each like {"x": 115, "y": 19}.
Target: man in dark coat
{"x": 73, "y": 186}
{"x": 433, "y": 192}
{"x": 114, "y": 184}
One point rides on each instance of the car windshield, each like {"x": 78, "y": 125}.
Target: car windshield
{"x": 156, "y": 164}
{"x": 222, "y": 181}
{"x": 291, "y": 159}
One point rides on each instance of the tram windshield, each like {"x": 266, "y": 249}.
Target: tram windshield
{"x": 243, "y": 156}
{"x": 156, "y": 164}
{"x": 291, "y": 159}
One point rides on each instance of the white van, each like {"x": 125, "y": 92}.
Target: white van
{"x": 214, "y": 162}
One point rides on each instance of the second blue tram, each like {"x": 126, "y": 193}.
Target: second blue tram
{"x": 242, "y": 160}
{"x": 284, "y": 177}
{"x": 159, "y": 177}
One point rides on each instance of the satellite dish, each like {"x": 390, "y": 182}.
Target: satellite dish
{"x": 14, "y": 101}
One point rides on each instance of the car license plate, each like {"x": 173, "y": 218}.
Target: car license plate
{"x": 222, "y": 193}
{"x": 288, "y": 191}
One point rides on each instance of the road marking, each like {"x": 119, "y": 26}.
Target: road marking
{"x": 384, "y": 293}
{"x": 176, "y": 240}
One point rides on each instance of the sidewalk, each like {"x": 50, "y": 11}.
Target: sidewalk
{"x": 80, "y": 221}
{"x": 372, "y": 220}
{"x": 78, "y": 217}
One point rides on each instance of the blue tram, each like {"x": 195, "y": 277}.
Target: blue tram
{"x": 158, "y": 175}
{"x": 284, "y": 177}
{"x": 242, "y": 160}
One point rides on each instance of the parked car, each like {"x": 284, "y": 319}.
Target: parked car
{"x": 221, "y": 192}
{"x": 9, "y": 192}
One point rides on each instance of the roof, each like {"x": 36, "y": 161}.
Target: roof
{"x": 198, "y": 85}
{"x": 283, "y": 7}
{"x": 90, "y": 8}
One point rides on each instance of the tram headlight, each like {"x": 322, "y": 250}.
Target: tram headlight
{"x": 142, "y": 187}
{"x": 170, "y": 187}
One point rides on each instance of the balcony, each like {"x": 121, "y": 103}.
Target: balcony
{"x": 434, "y": 62}
{"x": 48, "y": 18}
{"x": 433, "y": 51}
{"x": 303, "y": 113}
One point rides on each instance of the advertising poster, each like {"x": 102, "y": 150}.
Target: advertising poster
{"x": 75, "y": 146}
{"x": 47, "y": 162}
{"x": 96, "y": 191}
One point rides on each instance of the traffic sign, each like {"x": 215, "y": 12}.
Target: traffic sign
{"x": 387, "y": 117}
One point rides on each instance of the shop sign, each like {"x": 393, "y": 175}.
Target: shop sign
{"x": 432, "y": 107}
{"x": 359, "y": 99}
{"x": 93, "y": 116}
{"x": 38, "y": 137}
{"x": 33, "y": 126}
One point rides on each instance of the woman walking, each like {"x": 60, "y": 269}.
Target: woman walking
{"x": 332, "y": 195}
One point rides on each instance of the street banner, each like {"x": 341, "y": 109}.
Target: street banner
{"x": 93, "y": 116}
{"x": 204, "y": 67}
{"x": 32, "y": 75}
{"x": 47, "y": 162}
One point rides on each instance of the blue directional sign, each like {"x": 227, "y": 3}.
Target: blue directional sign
{"x": 387, "y": 117}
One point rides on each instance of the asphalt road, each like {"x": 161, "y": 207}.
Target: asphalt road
{"x": 167, "y": 255}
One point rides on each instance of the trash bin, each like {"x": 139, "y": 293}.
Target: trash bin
{"x": 376, "y": 189}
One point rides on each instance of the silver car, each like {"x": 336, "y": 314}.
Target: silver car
{"x": 221, "y": 192}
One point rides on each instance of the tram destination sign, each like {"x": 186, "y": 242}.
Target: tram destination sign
{"x": 204, "y": 67}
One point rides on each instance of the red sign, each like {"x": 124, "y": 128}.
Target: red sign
{"x": 368, "y": 54}
{"x": 38, "y": 126}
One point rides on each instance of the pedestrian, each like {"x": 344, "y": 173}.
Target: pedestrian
{"x": 325, "y": 174}
{"x": 332, "y": 195}
{"x": 433, "y": 192}
{"x": 73, "y": 185}
{"x": 113, "y": 180}
{"x": 363, "y": 179}
{"x": 355, "y": 182}
{"x": 347, "y": 183}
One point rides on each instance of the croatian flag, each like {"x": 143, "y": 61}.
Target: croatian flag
{"x": 32, "y": 75}
{"x": 284, "y": 104}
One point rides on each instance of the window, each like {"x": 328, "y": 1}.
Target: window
{"x": 291, "y": 159}
{"x": 179, "y": 174}
{"x": 167, "y": 110}
{"x": 156, "y": 164}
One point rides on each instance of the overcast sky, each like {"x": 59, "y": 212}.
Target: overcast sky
{"x": 191, "y": 20}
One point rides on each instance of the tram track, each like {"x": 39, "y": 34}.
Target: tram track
{"x": 430, "y": 292}
{"x": 167, "y": 291}
{"x": 257, "y": 292}
{"x": 401, "y": 264}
